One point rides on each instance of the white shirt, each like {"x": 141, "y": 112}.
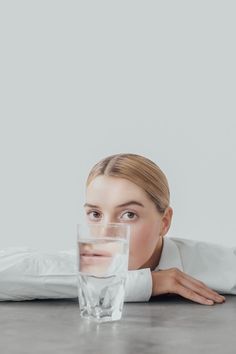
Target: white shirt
{"x": 27, "y": 274}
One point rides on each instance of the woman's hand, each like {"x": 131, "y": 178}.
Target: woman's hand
{"x": 176, "y": 282}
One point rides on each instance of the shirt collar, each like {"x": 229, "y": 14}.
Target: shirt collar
{"x": 170, "y": 256}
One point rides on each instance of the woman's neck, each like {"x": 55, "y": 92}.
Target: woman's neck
{"x": 154, "y": 260}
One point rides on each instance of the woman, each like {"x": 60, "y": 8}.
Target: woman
{"x": 132, "y": 189}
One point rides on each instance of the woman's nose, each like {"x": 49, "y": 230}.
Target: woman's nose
{"x": 108, "y": 230}
{"x": 108, "y": 220}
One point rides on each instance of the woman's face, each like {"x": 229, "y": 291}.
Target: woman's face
{"x": 114, "y": 200}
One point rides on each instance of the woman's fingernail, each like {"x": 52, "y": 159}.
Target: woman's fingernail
{"x": 210, "y": 302}
{"x": 220, "y": 298}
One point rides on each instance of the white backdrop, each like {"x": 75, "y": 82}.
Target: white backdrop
{"x": 81, "y": 80}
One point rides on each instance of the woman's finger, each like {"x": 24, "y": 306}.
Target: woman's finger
{"x": 200, "y": 288}
{"x": 191, "y": 295}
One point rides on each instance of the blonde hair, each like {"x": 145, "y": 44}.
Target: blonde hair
{"x": 139, "y": 170}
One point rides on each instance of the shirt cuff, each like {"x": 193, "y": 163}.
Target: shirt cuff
{"x": 138, "y": 286}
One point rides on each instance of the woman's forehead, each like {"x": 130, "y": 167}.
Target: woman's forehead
{"x": 116, "y": 190}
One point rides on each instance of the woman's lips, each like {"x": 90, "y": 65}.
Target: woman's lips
{"x": 95, "y": 257}
{"x": 96, "y": 253}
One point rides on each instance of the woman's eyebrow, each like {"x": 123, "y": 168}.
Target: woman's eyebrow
{"x": 90, "y": 205}
{"x": 131, "y": 202}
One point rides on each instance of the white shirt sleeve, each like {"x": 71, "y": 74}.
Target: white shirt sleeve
{"x": 27, "y": 274}
{"x": 138, "y": 285}
{"x": 213, "y": 264}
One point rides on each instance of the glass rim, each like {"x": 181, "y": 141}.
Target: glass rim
{"x": 114, "y": 224}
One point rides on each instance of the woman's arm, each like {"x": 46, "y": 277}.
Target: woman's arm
{"x": 27, "y": 274}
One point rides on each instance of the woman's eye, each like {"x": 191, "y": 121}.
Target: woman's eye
{"x": 129, "y": 215}
{"x": 93, "y": 215}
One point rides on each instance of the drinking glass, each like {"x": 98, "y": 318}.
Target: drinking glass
{"x": 102, "y": 260}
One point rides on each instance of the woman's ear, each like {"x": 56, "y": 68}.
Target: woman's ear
{"x": 166, "y": 221}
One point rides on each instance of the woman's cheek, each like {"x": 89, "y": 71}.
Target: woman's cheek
{"x": 140, "y": 247}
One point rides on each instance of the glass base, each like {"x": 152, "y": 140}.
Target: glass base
{"x": 99, "y": 315}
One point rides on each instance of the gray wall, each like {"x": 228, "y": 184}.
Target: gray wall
{"x": 81, "y": 80}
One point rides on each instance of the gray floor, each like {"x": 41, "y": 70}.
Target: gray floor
{"x": 165, "y": 325}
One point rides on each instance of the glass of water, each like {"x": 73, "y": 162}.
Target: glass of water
{"x": 102, "y": 259}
